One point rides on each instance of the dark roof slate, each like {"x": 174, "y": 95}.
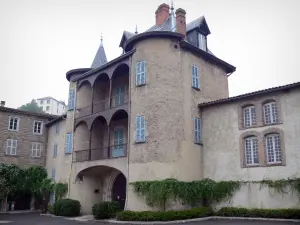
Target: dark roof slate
{"x": 58, "y": 119}
{"x": 100, "y": 57}
{"x": 251, "y": 94}
{"x": 19, "y": 111}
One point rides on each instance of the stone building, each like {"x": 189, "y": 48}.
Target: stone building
{"x": 23, "y": 140}
{"x": 162, "y": 110}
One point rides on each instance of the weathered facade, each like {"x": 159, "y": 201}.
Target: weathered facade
{"x": 162, "y": 110}
{"x": 23, "y": 140}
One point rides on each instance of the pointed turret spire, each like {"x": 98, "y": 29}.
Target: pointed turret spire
{"x": 172, "y": 15}
{"x": 100, "y": 57}
{"x": 136, "y": 29}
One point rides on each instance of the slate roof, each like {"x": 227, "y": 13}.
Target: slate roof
{"x": 51, "y": 122}
{"x": 251, "y": 94}
{"x": 100, "y": 57}
{"x": 28, "y": 113}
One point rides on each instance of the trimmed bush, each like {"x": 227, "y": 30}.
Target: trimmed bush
{"x": 66, "y": 207}
{"x": 164, "y": 216}
{"x": 105, "y": 210}
{"x": 260, "y": 213}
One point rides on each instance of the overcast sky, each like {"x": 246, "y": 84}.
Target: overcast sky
{"x": 40, "y": 40}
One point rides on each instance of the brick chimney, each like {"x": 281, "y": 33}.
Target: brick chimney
{"x": 162, "y": 14}
{"x": 2, "y": 103}
{"x": 180, "y": 21}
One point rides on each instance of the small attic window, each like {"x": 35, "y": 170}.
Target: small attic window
{"x": 202, "y": 41}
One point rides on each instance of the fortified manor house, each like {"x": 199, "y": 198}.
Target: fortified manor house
{"x": 162, "y": 110}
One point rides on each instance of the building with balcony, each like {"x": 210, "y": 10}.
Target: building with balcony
{"x": 162, "y": 110}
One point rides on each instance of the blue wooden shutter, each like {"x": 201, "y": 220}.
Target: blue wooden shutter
{"x": 197, "y": 130}
{"x": 71, "y": 99}
{"x": 138, "y": 73}
{"x": 53, "y": 174}
{"x": 140, "y": 129}
{"x": 143, "y": 72}
{"x": 69, "y": 143}
{"x": 57, "y": 128}
{"x": 55, "y": 151}
{"x": 195, "y": 77}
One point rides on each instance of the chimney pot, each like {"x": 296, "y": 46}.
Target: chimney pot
{"x": 162, "y": 14}
{"x": 2, "y": 103}
{"x": 180, "y": 21}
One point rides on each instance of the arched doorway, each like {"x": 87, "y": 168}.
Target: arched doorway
{"x": 119, "y": 190}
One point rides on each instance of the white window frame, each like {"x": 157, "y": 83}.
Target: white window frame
{"x": 36, "y": 150}
{"x": 252, "y": 149}
{"x": 202, "y": 42}
{"x": 273, "y": 136}
{"x": 195, "y": 77}
{"x": 9, "y": 148}
{"x": 273, "y": 119}
{"x": 41, "y": 130}
{"x": 141, "y": 75}
{"x": 18, "y": 123}
{"x": 252, "y": 116}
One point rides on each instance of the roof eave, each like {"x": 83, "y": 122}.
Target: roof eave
{"x": 251, "y": 94}
{"x": 228, "y": 67}
{"x": 162, "y": 34}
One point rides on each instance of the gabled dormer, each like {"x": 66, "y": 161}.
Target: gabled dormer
{"x": 197, "y": 32}
{"x": 126, "y": 35}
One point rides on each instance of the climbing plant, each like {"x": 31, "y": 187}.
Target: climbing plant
{"x": 206, "y": 191}
{"x": 60, "y": 189}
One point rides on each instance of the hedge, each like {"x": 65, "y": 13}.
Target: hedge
{"x": 66, "y": 207}
{"x": 105, "y": 210}
{"x": 260, "y": 213}
{"x": 164, "y": 216}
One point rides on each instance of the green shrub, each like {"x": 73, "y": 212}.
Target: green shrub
{"x": 164, "y": 216}
{"x": 105, "y": 210}
{"x": 66, "y": 207}
{"x": 262, "y": 213}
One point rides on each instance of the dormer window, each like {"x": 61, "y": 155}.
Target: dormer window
{"x": 202, "y": 41}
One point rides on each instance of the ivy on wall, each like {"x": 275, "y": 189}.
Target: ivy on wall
{"x": 205, "y": 191}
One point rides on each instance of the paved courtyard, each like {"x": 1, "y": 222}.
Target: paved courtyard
{"x": 36, "y": 219}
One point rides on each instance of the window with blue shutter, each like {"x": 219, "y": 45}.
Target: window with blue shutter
{"x": 53, "y": 174}
{"x": 57, "y": 128}
{"x": 195, "y": 77}
{"x": 140, "y": 129}
{"x": 197, "y": 130}
{"x": 55, "y": 151}
{"x": 69, "y": 143}
{"x": 71, "y": 100}
{"x": 140, "y": 73}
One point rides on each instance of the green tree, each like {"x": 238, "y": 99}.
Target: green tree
{"x": 46, "y": 188}
{"x": 32, "y": 107}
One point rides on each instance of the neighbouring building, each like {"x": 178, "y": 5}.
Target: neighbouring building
{"x": 162, "y": 110}
{"x": 52, "y": 106}
{"x": 23, "y": 141}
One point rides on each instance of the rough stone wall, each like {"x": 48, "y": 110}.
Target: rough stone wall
{"x": 25, "y": 139}
{"x": 223, "y": 149}
{"x": 169, "y": 104}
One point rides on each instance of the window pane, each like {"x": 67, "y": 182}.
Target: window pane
{"x": 273, "y": 148}
{"x": 251, "y": 151}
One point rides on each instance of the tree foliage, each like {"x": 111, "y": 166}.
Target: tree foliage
{"x": 32, "y": 107}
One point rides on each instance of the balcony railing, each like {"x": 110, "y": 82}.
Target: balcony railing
{"x": 119, "y": 100}
{"x": 103, "y": 105}
{"x": 110, "y": 152}
{"x": 85, "y": 111}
